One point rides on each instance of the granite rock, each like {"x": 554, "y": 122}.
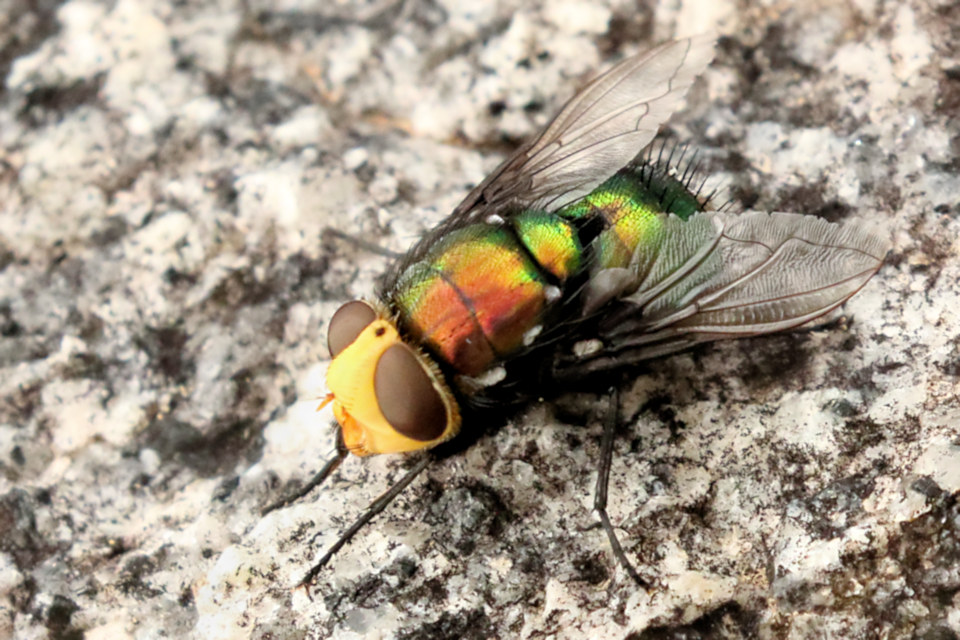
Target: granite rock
{"x": 170, "y": 176}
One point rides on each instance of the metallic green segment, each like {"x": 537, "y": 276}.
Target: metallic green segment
{"x": 624, "y": 189}
{"x": 675, "y": 196}
{"x": 646, "y": 184}
{"x": 631, "y": 226}
{"x": 551, "y": 240}
{"x": 631, "y": 214}
{"x": 634, "y": 204}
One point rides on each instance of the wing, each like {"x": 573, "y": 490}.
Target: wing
{"x": 719, "y": 276}
{"x": 596, "y": 133}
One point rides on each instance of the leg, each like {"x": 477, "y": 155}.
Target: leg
{"x": 360, "y": 243}
{"x": 376, "y": 507}
{"x": 314, "y": 482}
{"x": 603, "y": 479}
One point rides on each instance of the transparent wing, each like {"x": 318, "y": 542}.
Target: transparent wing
{"x": 720, "y": 276}
{"x": 597, "y": 132}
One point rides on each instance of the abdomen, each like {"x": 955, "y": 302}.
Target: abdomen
{"x": 478, "y": 295}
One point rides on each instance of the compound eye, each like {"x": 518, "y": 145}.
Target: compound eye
{"x": 406, "y": 395}
{"x": 347, "y": 323}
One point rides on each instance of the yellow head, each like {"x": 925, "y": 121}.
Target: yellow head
{"x": 387, "y": 395}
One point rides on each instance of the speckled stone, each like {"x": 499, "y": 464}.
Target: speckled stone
{"x": 168, "y": 175}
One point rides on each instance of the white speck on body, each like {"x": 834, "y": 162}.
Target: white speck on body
{"x": 587, "y": 347}
{"x": 531, "y": 334}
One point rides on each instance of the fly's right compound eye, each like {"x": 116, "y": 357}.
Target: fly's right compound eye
{"x": 347, "y": 323}
{"x": 407, "y": 395}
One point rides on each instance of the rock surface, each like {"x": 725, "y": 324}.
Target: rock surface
{"x": 168, "y": 175}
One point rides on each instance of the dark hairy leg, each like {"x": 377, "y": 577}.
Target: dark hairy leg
{"x": 375, "y": 508}
{"x": 603, "y": 480}
{"x": 330, "y": 232}
{"x": 313, "y": 483}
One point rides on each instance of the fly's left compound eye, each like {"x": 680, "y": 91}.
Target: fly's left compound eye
{"x": 407, "y": 396}
{"x": 347, "y": 323}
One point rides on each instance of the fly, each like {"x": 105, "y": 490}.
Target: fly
{"x": 576, "y": 256}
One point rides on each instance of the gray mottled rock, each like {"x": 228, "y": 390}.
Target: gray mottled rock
{"x": 167, "y": 176}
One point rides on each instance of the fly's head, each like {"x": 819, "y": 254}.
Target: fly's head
{"x": 387, "y": 395}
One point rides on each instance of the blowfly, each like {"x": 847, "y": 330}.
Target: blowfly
{"x": 579, "y": 254}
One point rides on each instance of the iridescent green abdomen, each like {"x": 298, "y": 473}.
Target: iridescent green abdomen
{"x": 632, "y": 205}
{"x": 478, "y": 294}
{"x": 552, "y": 241}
